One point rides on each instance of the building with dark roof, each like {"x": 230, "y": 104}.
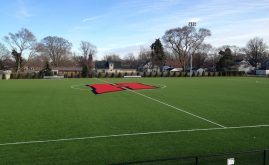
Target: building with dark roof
{"x": 113, "y": 67}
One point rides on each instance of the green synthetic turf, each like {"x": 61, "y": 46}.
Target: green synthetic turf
{"x": 33, "y": 110}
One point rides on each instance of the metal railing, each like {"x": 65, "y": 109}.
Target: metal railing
{"x": 255, "y": 157}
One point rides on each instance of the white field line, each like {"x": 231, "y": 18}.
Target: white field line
{"x": 161, "y": 85}
{"x": 131, "y": 134}
{"x": 171, "y": 106}
{"x": 78, "y": 85}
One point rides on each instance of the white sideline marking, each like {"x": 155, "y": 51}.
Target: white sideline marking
{"x": 171, "y": 106}
{"x": 132, "y": 134}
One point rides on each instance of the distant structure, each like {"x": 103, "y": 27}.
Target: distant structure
{"x": 113, "y": 67}
{"x": 191, "y": 24}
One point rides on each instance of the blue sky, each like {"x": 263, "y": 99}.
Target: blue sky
{"x": 123, "y": 26}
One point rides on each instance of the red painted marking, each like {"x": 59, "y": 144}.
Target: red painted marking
{"x": 136, "y": 86}
{"x": 104, "y": 88}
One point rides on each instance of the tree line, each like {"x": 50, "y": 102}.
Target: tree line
{"x": 21, "y": 51}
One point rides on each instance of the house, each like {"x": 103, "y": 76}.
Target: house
{"x": 264, "y": 69}
{"x": 200, "y": 71}
{"x": 265, "y": 65}
{"x": 244, "y": 65}
{"x": 67, "y": 71}
{"x": 113, "y": 67}
{"x": 147, "y": 67}
{"x": 177, "y": 70}
{"x": 167, "y": 68}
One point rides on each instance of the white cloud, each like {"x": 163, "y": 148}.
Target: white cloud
{"x": 91, "y": 18}
{"x": 23, "y": 11}
{"x": 231, "y": 22}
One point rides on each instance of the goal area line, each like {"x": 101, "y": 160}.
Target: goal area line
{"x": 130, "y": 134}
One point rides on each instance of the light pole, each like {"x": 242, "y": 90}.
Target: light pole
{"x": 191, "y": 24}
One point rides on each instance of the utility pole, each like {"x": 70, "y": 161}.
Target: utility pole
{"x": 191, "y": 24}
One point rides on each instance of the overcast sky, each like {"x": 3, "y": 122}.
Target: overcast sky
{"x": 123, "y": 26}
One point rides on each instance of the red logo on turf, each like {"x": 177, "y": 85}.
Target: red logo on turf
{"x": 105, "y": 88}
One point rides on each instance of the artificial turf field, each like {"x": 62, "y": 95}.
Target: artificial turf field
{"x": 63, "y": 122}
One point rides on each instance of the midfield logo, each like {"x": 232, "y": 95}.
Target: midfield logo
{"x": 105, "y": 88}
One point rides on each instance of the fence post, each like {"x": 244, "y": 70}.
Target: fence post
{"x": 196, "y": 160}
{"x": 264, "y": 157}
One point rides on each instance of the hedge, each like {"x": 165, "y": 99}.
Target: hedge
{"x": 143, "y": 74}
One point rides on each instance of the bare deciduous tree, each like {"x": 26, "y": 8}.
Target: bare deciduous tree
{"x": 56, "y": 48}
{"x": 185, "y": 41}
{"x": 130, "y": 60}
{"x": 4, "y": 52}
{"x": 4, "y": 55}
{"x": 256, "y": 51}
{"x": 144, "y": 56}
{"x": 201, "y": 55}
{"x": 88, "y": 51}
{"x": 37, "y": 61}
{"x": 112, "y": 57}
{"x": 20, "y": 42}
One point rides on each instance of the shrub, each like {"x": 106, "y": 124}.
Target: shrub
{"x": 13, "y": 76}
{"x": 168, "y": 74}
{"x": 119, "y": 75}
{"x": 144, "y": 74}
{"x": 236, "y": 73}
{"x": 19, "y": 76}
{"x": 36, "y": 76}
{"x": 29, "y": 75}
{"x": 214, "y": 74}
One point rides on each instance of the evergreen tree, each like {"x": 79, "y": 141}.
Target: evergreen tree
{"x": 85, "y": 71}
{"x": 47, "y": 69}
{"x": 226, "y": 61}
{"x": 18, "y": 59}
{"x": 157, "y": 54}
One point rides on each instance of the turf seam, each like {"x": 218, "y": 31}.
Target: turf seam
{"x": 131, "y": 134}
{"x": 171, "y": 106}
